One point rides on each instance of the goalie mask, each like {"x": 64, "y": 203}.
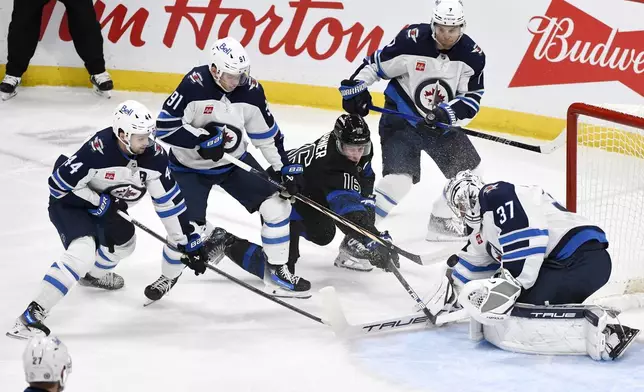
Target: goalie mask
{"x": 353, "y": 138}
{"x": 462, "y": 195}
{"x": 229, "y": 64}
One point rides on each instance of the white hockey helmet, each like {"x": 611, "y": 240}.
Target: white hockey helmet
{"x": 462, "y": 195}
{"x": 133, "y": 118}
{"x": 229, "y": 64}
{"x": 46, "y": 359}
{"x": 448, "y": 13}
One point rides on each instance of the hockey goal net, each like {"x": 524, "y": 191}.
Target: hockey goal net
{"x": 605, "y": 183}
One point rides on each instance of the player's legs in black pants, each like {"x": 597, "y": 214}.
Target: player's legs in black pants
{"x": 573, "y": 280}
{"x": 24, "y": 31}
{"x": 86, "y": 34}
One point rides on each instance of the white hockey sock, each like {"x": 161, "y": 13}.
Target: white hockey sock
{"x": 171, "y": 265}
{"x": 106, "y": 261}
{"x": 63, "y": 274}
{"x": 391, "y": 189}
{"x": 276, "y": 229}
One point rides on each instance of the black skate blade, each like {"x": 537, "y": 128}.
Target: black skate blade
{"x": 620, "y": 349}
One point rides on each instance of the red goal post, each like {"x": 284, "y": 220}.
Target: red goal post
{"x": 605, "y": 183}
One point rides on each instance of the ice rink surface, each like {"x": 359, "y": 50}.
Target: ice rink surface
{"x": 209, "y": 333}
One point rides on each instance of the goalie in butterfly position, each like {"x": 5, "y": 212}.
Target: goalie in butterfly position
{"x": 527, "y": 267}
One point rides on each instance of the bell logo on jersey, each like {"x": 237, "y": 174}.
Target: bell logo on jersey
{"x": 571, "y": 46}
{"x": 420, "y": 65}
{"x": 208, "y": 109}
{"x": 110, "y": 175}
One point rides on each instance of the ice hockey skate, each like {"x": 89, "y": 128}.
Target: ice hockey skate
{"x": 353, "y": 255}
{"x": 103, "y": 84}
{"x": 280, "y": 282}
{"x": 109, "y": 281}
{"x": 159, "y": 288}
{"x": 30, "y": 323}
{"x": 445, "y": 229}
{"x": 9, "y": 86}
{"x": 216, "y": 244}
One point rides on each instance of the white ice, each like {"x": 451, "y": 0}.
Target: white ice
{"x": 211, "y": 334}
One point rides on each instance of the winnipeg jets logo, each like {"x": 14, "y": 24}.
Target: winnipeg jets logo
{"x": 97, "y": 145}
{"x": 490, "y": 188}
{"x": 413, "y": 35}
{"x": 158, "y": 150}
{"x": 196, "y": 78}
{"x": 477, "y": 49}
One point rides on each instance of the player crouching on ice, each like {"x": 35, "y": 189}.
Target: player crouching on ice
{"x": 527, "y": 267}
{"x": 337, "y": 175}
{"x": 112, "y": 170}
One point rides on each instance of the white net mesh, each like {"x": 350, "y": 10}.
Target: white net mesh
{"x": 610, "y": 191}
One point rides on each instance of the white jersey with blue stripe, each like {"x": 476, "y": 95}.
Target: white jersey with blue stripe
{"x": 101, "y": 167}
{"x": 522, "y": 226}
{"x": 416, "y": 67}
{"x": 198, "y": 101}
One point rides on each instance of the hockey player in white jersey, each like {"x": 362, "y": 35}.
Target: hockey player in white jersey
{"x": 435, "y": 72}
{"x": 111, "y": 171}
{"x": 527, "y": 263}
{"x": 207, "y": 115}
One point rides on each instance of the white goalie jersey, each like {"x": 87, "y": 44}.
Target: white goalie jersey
{"x": 523, "y": 227}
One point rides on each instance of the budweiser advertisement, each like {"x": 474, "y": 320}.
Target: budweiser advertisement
{"x": 571, "y": 46}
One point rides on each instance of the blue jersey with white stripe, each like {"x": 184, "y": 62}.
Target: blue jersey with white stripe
{"x": 422, "y": 76}
{"x": 101, "y": 167}
{"x": 198, "y": 101}
{"x": 521, "y": 227}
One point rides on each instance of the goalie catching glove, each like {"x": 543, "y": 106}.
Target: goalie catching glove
{"x": 490, "y": 301}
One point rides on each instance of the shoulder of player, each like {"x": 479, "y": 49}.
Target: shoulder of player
{"x": 154, "y": 158}
{"x": 251, "y": 93}
{"x": 99, "y": 147}
{"x": 197, "y": 82}
{"x": 496, "y": 194}
{"x": 414, "y": 40}
{"x": 469, "y": 52}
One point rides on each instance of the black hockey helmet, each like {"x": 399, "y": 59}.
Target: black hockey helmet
{"x": 351, "y": 129}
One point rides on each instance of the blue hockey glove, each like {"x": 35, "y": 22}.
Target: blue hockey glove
{"x": 292, "y": 179}
{"x": 195, "y": 255}
{"x": 211, "y": 146}
{"x": 107, "y": 206}
{"x": 369, "y": 202}
{"x": 355, "y": 97}
{"x": 443, "y": 114}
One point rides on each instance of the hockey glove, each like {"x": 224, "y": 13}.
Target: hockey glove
{"x": 211, "y": 146}
{"x": 381, "y": 256}
{"x": 442, "y": 114}
{"x": 356, "y": 99}
{"x": 108, "y": 207}
{"x": 292, "y": 180}
{"x": 195, "y": 255}
{"x": 369, "y": 202}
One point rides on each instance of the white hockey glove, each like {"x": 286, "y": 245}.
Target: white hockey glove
{"x": 442, "y": 297}
{"x": 490, "y": 301}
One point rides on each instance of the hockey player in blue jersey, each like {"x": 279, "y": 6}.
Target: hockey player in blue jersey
{"x": 435, "y": 72}
{"x": 207, "y": 115}
{"x": 527, "y": 256}
{"x": 111, "y": 171}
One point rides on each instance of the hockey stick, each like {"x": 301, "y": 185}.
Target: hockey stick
{"x": 411, "y": 256}
{"x": 222, "y": 273}
{"x": 542, "y": 149}
{"x": 337, "y": 320}
{"x": 390, "y": 247}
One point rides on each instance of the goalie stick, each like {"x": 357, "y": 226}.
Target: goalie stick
{"x": 337, "y": 320}
{"x": 542, "y": 149}
{"x": 222, "y": 273}
{"x": 390, "y": 247}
